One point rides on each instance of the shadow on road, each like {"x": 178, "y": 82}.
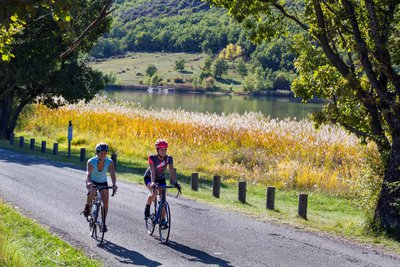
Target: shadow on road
{"x": 21, "y": 157}
{"x": 127, "y": 256}
{"x": 198, "y": 255}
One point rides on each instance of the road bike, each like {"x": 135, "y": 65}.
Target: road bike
{"x": 156, "y": 214}
{"x": 97, "y": 214}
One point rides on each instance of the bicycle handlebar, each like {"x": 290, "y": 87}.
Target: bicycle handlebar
{"x": 156, "y": 185}
{"x": 105, "y": 187}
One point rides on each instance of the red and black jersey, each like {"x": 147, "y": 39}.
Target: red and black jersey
{"x": 160, "y": 166}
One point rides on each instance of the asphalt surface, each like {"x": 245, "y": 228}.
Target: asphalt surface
{"x": 54, "y": 194}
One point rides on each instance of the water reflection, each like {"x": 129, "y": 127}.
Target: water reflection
{"x": 275, "y": 107}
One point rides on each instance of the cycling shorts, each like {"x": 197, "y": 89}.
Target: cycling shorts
{"x": 162, "y": 181}
{"x": 97, "y": 184}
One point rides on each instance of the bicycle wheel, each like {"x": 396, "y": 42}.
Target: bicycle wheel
{"x": 100, "y": 224}
{"x": 92, "y": 224}
{"x": 92, "y": 227}
{"x": 150, "y": 225}
{"x": 165, "y": 227}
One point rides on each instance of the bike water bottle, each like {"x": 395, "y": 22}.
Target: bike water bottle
{"x": 94, "y": 210}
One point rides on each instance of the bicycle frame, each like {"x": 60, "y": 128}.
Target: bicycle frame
{"x": 94, "y": 223}
{"x": 161, "y": 202}
{"x": 156, "y": 217}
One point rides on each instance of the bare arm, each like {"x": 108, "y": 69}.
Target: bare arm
{"x": 152, "y": 172}
{"x": 172, "y": 173}
{"x": 89, "y": 169}
{"x": 111, "y": 168}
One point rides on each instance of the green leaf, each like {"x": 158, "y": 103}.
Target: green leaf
{"x": 5, "y": 57}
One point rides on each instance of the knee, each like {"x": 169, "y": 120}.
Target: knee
{"x": 92, "y": 193}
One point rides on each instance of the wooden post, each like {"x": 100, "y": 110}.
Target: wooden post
{"x": 55, "y": 148}
{"x": 21, "y": 141}
{"x": 32, "y": 143}
{"x": 270, "y": 197}
{"x": 302, "y": 211}
{"x": 194, "y": 182}
{"x": 83, "y": 154}
{"x": 43, "y": 146}
{"x": 216, "y": 185}
{"x": 114, "y": 157}
{"x": 242, "y": 192}
{"x": 70, "y": 133}
{"x": 12, "y": 139}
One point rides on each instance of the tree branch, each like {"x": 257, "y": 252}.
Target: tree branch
{"x": 92, "y": 25}
{"x": 380, "y": 36}
{"x": 291, "y": 17}
{"x": 334, "y": 58}
{"x": 363, "y": 53}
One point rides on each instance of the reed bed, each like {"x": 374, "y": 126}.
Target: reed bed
{"x": 285, "y": 153}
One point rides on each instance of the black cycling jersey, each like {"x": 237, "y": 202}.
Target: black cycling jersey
{"x": 160, "y": 166}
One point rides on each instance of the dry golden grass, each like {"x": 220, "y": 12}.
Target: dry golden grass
{"x": 284, "y": 153}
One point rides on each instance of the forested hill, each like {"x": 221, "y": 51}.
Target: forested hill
{"x": 130, "y": 10}
{"x": 170, "y": 26}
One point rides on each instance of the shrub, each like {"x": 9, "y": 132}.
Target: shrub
{"x": 179, "y": 80}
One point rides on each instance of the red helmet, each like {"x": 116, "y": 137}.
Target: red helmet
{"x": 161, "y": 143}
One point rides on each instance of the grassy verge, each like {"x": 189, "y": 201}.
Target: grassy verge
{"x": 24, "y": 243}
{"x": 332, "y": 214}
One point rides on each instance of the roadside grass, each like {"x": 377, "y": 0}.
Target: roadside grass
{"x": 24, "y": 243}
{"x": 130, "y": 70}
{"x": 328, "y": 214}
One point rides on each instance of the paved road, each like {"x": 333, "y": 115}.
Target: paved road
{"x": 201, "y": 235}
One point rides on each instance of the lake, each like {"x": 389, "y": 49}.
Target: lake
{"x": 275, "y": 107}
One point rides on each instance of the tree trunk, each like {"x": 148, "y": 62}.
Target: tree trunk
{"x": 5, "y": 116}
{"x": 387, "y": 212}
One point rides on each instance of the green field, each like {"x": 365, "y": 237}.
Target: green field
{"x": 130, "y": 69}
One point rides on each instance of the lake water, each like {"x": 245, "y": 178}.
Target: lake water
{"x": 275, "y": 107}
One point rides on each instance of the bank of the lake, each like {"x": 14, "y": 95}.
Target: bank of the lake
{"x": 276, "y": 106}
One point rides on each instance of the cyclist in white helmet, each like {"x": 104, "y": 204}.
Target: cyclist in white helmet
{"x": 96, "y": 171}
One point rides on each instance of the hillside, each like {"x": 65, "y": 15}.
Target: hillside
{"x": 172, "y": 26}
{"x": 131, "y": 10}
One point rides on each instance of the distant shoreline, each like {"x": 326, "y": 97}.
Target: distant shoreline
{"x": 191, "y": 90}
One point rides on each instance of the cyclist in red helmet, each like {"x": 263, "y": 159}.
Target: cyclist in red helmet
{"x": 96, "y": 171}
{"x": 155, "y": 173}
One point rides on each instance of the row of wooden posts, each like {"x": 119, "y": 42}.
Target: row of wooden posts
{"x": 82, "y": 156}
{"x": 270, "y": 203}
{"x": 194, "y": 182}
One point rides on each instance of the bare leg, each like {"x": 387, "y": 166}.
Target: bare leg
{"x": 152, "y": 195}
{"x": 105, "y": 195}
{"x": 91, "y": 196}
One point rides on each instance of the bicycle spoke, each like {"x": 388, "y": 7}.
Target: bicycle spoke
{"x": 100, "y": 223}
{"x": 165, "y": 224}
{"x": 150, "y": 226}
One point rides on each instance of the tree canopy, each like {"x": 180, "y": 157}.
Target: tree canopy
{"x": 39, "y": 72}
{"x": 347, "y": 52}
{"x": 14, "y": 14}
